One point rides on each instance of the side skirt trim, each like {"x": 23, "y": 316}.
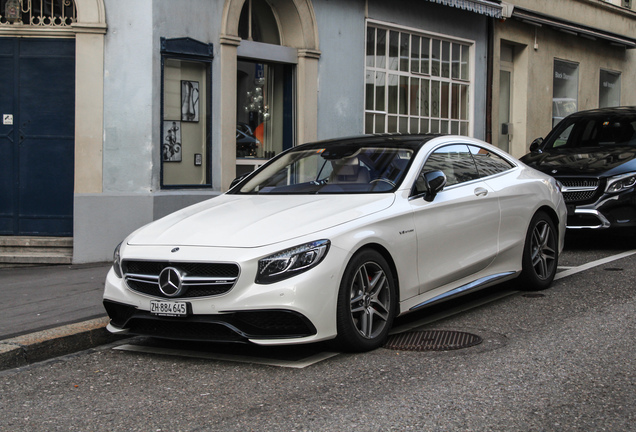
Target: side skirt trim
{"x": 472, "y": 286}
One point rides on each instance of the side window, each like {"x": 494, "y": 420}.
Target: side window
{"x": 563, "y": 137}
{"x": 455, "y": 161}
{"x": 488, "y": 163}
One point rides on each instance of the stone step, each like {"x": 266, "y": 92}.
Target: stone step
{"x": 32, "y": 251}
{"x": 26, "y": 250}
{"x": 11, "y": 241}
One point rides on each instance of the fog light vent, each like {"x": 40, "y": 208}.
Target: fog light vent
{"x": 432, "y": 340}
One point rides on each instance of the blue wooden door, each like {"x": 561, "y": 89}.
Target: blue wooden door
{"x": 37, "y": 136}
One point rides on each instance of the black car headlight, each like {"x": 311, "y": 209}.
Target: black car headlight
{"x": 117, "y": 261}
{"x": 621, "y": 182}
{"x": 290, "y": 262}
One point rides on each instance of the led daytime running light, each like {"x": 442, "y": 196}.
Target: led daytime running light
{"x": 290, "y": 262}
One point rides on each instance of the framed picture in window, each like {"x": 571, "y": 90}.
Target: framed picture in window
{"x": 171, "y": 148}
{"x": 189, "y": 101}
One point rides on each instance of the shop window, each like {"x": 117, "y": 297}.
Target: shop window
{"x": 609, "y": 93}
{"x": 565, "y": 90}
{"x": 264, "y": 93}
{"x": 416, "y": 83}
{"x": 185, "y": 113}
{"x": 264, "y": 112}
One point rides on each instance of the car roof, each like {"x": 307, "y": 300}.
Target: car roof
{"x": 625, "y": 110}
{"x": 412, "y": 141}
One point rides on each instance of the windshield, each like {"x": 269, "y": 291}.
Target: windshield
{"x": 332, "y": 170}
{"x": 594, "y": 131}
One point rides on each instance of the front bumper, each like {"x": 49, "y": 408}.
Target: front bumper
{"x": 300, "y": 309}
{"x": 227, "y": 327}
{"x": 609, "y": 211}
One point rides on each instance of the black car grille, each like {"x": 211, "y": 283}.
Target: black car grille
{"x": 192, "y": 331}
{"x": 579, "y": 189}
{"x": 198, "y": 279}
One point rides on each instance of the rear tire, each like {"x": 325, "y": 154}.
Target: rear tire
{"x": 540, "y": 254}
{"x": 366, "y": 302}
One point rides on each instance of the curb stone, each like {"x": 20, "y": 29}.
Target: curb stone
{"x": 43, "y": 345}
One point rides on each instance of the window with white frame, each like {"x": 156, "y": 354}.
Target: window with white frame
{"x": 416, "y": 82}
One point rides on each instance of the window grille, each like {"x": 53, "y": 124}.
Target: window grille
{"x": 39, "y": 13}
{"x": 416, "y": 83}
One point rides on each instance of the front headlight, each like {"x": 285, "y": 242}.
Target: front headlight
{"x": 621, "y": 182}
{"x": 117, "y": 261}
{"x": 290, "y": 262}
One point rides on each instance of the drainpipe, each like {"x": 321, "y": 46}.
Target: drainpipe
{"x": 489, "y": 79}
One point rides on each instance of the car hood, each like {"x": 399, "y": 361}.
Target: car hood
{"x": 243, "y": 221}
{"x": 583, "y": 161}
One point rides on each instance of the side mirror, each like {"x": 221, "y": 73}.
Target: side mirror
{"x": 435, "y": 182}
{"x": 536, "y": 145}
{"x": 238, "y": 180}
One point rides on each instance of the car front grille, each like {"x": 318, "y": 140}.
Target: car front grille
{"x": 190, "y": 331}
{"x": 579, "y": 189}
{"x": 198, "y": 279}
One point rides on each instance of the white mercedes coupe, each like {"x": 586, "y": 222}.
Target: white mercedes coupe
{"x": 333, "y": 240}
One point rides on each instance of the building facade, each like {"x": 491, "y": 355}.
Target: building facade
{"x": 167, "y": 102}
{"x": 121, "y": 112}
{"x": 552, "y": 58}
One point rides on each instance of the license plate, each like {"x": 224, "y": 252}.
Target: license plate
{"x": 166, "y": 308}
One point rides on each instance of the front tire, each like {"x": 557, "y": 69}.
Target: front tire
{"x": 366, "y": 302}
{"x": 540, "y": 254}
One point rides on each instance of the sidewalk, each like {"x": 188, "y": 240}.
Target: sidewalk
{"x": 50, "y": 311}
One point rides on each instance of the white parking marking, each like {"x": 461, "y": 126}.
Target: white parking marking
{"x": 593, "y": 264}
{"x": 296, "y": 364}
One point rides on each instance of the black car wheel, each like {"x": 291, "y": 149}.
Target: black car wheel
{"x": 540, "y": 253}
{"x": 366, "y": 302}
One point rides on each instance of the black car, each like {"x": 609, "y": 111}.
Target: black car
{"x": 593, "y": 154}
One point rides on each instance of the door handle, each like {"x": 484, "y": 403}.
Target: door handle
{"x": 481, "y": 192}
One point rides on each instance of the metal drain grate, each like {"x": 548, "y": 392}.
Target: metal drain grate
{"x": 432, "y": 340}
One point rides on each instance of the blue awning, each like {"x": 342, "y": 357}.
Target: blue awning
{"x": 483, "y": 7}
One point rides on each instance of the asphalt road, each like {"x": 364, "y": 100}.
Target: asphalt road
{"x": 561, "y": 361}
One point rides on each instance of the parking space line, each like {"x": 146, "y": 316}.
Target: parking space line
{"x": 296, "y": 364}
{"x": 593, "y": 264}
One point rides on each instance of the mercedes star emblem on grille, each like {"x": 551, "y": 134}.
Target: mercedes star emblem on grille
{"x": 170, "y": 282}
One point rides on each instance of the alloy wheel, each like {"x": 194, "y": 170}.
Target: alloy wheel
{"x": 543, "y": 250}
{"x": 370, "y": 300}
